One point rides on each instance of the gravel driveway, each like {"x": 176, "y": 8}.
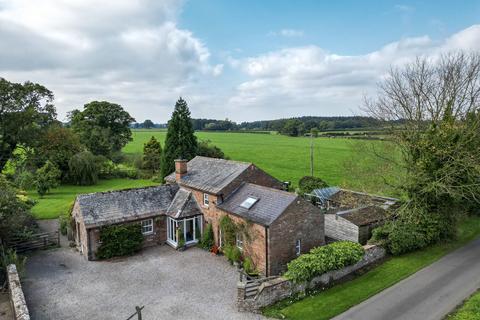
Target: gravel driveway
{"x": 61, "y": 284}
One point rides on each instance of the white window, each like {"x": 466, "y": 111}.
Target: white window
{"x": 205, "y": 199}
{"x": 239, "y": 241}
{"x": 147, "y": 226}
{"x": 298, "y": 247}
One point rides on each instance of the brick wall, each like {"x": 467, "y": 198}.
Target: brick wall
{"x": 300, "y": 221}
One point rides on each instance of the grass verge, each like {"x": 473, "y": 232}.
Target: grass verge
{"x": 338, "y": 299}
{"x": 58, "y": 200}
{"x": 470, "y": 310}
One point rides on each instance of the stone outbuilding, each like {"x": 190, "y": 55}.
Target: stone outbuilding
{"x": 352, "y": 215}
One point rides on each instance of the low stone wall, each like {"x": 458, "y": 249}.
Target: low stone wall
{"x": 280, "y": 288}
{"x": 17, "y": 298}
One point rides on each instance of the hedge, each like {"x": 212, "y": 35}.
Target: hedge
{"x": 120, "y": 240}
{"x": 323, "y": 259}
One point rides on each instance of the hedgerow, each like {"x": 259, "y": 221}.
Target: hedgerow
{"x": 120, "y": 240}
{"x": 323, "y": 259}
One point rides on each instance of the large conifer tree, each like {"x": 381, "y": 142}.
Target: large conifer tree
{"x": 180, "y": 142}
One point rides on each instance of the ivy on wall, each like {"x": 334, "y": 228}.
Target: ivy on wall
{"x": 120, "y": 240}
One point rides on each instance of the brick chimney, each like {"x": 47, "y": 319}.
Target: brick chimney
{"x": 180, "y": 168}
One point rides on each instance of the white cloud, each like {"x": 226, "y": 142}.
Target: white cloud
{"x": 131, "y": 52}
{"x": 289, "y": 33}
{"x": 310, "y": 80}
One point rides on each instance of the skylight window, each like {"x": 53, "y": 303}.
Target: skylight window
{"x": 249, "y": 202}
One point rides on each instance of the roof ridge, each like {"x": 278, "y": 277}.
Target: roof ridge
{"x": 122, "y": 190}
{"x": 272, "y": 189}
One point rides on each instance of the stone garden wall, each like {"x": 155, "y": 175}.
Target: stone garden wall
{"x": 17, "y": 298}
{"x": 280, "y": 288}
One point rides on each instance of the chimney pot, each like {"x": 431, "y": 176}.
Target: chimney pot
{"x": 180, "y": 168}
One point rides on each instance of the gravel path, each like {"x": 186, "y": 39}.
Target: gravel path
{"x": 61, "y": 284}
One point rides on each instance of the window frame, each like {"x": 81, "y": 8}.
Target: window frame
{"x": 148, "y": 225}
{"x": 206, "y": 200}
{"x": 298, "y": 247}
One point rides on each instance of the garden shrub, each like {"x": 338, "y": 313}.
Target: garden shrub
{"x": 64, "y": 221}
{"x": 229, "y": 230}
{"x": 232, "y": 253}
{"x": 120, "y": 240}
{"x": 400, "y": 236}
{"x": 323, "y": 259}
{"x": 207, "y": 240}
{"x": 249, "y": 266}
{"x": 307, "y": 184}
{"x": 7, "y": 257}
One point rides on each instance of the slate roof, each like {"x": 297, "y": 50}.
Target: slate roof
{"x": 111, "y": 207}
{"x": 210, "y": 174}
{"x": 270, "y": 205}
{"x": 183, "y": 205}
{"x": 364, "y": 215}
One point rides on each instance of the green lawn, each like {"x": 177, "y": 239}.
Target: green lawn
{"x": 286, "y": 158}
{"x": 337, "y": 299}
{"x": 58, "y": 200}
{"x": 470, "y": 310}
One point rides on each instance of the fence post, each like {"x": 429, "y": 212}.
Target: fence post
{"x": 139, "y": 312}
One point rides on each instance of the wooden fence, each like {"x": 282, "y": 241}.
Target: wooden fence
{"x": 35, "y": 241}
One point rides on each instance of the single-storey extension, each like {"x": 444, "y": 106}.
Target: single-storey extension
{"x": 351, "y": 215}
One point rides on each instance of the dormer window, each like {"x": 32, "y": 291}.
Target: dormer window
{"x": 249, "y": 202}
{"x": 205, "y": 199}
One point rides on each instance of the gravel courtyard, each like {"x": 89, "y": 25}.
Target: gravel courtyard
{"x": 61, "y": 284}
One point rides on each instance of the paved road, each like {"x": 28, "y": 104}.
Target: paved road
{"x": 429, "y": 294}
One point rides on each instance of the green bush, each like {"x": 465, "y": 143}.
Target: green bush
{"x": 64, "y": 221}
{"x": 83, "y": 169}
{"x": 232, "y": 253}
{"x": 207, "y": 240}
{"x": 249, "y": 266}
{"x": 400, "y": 236}
{"x": 323, "y": 259}
{"x": 307, "y": 184}
{"x": 120, "y": 240}
{"x": 7, "y": 257}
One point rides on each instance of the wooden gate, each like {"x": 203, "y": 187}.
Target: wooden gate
{"x": 35, "y": 241}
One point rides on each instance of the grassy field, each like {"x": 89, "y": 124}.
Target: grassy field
{"x": 337, "y": 299}
{"x": 470, "y": 310}
{"x": 286, "y": 158}
{"x": 58, "y": 200}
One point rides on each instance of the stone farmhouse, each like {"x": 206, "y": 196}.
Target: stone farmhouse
{"x": 280, "y": 225}
{"x": 352, "y": 215}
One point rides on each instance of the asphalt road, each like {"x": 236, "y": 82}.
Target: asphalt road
{"x": 429, "y": 294}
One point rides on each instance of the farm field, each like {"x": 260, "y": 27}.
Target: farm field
{"x": 58, "y": 200}
{"x": 286, "y": 158}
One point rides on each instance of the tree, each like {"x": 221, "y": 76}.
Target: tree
{"x": 180, "y": 141}
{"x": 58, "y": 145}
{"x": 25, "y": 111}
{"x": 83, "y": 169}
{"x": 102, "y": 126}
{"x": 293, "y": 128}
{"x": 147, "y": 124}
{"x": 206, "y": 149}
{"x": 47, "y": 177}
{"x": 152, "y": 155}
{"x": 436, "y": 105}
{"x": 309, "y": 183}
{"x": 15, "y": 217}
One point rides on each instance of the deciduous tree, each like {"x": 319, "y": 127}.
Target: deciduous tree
{"x": 102, "y": 126}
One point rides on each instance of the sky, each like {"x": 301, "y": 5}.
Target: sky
{"x": 242, "y": 60}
